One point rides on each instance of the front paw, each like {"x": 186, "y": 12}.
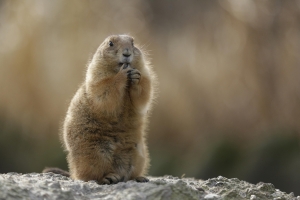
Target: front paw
{"x": 133, "y": 76}
{"x": 123, "y": 71}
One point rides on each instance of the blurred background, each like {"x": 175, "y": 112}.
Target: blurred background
{"x": 229, "y": 73}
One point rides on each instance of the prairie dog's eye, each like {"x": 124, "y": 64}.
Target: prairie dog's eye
{"x": 111, "y": 43}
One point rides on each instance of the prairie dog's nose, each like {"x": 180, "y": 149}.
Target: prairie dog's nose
{"x": 126, "y": 52}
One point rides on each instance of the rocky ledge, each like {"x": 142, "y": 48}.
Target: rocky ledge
{"x": 54, "y": 186}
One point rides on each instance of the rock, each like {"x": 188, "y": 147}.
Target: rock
{"x": 54, "y": 186}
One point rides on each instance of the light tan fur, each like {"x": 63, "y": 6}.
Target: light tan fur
{"x": 104, "y": 129}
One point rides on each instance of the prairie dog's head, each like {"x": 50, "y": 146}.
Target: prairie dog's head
{"x": 117, "y": 50}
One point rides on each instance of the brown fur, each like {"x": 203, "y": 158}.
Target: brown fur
{"x": 104, "y": 130}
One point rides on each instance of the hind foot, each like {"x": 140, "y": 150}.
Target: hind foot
{"x": 141, "y": 179}
{"x": 111, "y": 179}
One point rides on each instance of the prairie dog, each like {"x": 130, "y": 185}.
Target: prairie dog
{"x": 104, "y": 129}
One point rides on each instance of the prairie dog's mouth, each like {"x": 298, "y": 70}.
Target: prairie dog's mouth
{"x": 122, "y": 63}
{"x": 125, "y": 60}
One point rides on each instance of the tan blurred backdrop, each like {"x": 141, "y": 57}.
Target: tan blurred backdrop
{"x": 229, "y": 74}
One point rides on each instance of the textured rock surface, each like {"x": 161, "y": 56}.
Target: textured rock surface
{"x": 53, "y": 186}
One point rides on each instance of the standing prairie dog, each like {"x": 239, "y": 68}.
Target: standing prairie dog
{"x": 104, "y": 129}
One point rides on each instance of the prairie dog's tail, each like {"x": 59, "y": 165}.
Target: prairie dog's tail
{"x": 56, "y": 171}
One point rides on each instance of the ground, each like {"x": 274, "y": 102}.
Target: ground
{"x": 54, "y": 186}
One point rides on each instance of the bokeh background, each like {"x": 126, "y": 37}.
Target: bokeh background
{"x": 229, "y": 73}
